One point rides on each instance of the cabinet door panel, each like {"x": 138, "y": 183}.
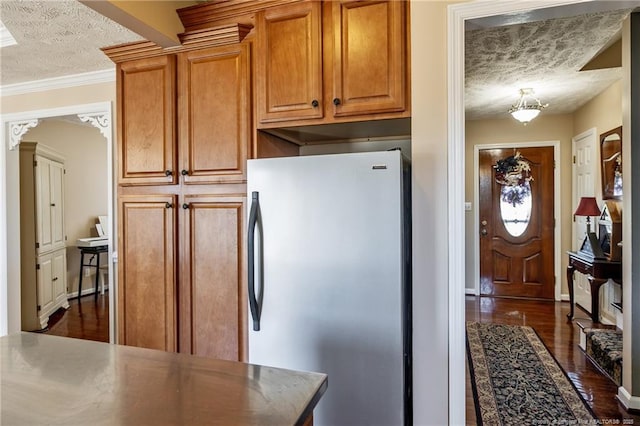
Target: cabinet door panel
{"x": 369, "y": 51}
{"x": 215, "y": 122}
{"x": 146, "y": 280}
{"x": 59, "y": 280}
{"x": 146, "y": 119}
{"x": 45, "y": 287}
{"x": 289, "y": 63}
{"x": 44, "y": 240}
{"x": 213, "y": 315}
{"x": 56, "y": 182}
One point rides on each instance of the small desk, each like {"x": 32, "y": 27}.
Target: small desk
{"x": 598, "y": 272}
{"x": 94, "y": 252}
{"x": 61, "y": 381}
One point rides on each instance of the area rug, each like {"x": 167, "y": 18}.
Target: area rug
{"x": 516, "y": 381}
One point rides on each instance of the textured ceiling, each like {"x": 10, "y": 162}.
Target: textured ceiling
{"x": 63, "y": 37}
{"x": 55, "y": 38}
{"x": 545, "y": 56}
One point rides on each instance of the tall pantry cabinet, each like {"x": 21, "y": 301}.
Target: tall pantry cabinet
{"x": 184, "y": 134}
{"x": 42, "y": 235}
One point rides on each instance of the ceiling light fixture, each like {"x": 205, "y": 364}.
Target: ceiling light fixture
{"x": 527, "y": 108}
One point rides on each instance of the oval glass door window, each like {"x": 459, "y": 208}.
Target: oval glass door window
{"x": 515, "y": 208}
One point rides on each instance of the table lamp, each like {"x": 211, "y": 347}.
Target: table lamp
{"x": 587, "y": 207}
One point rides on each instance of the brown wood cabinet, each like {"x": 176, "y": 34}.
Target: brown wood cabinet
{"x": 185, "y": 131}
{"x": 212, "y": 90}
{"x": 212, "y": 285}
{"x": 330, "y": 62}
{"x": 214, "y": 114}
{"x": 289, "y": 63}
{"x": 147, "y": 271}
{"x": 146, "y": 125}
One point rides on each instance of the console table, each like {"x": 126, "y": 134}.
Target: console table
{"x": 598, "y": 272}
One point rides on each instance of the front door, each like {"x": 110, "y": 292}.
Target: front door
{"x": 517, "y": 222}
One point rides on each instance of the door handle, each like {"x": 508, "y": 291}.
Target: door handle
{"x": 255, "y": 298}
{"x": 483, "y": 231}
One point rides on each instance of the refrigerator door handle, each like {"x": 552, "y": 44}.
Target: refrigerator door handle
{"x": 255, "y": 298}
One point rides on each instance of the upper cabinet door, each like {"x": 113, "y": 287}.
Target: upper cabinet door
{"x": 146, "y": 121}
{"x": 56, "y": 187}
{"x": 215, "y": 114}
{"x": 49, "y": 181}
{"x": 369, "y": 50}
{"x": 289, "y": 63}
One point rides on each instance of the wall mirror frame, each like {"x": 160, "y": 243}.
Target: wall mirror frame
{"x": 611, "y": 163}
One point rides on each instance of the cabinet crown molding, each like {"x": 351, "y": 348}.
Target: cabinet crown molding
{"x": 210, "y": 37}
{"x": 212, "y": 13}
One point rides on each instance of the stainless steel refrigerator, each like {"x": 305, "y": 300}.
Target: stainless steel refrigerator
{"x": 330, "y": 279}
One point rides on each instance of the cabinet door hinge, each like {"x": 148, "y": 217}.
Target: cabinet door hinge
{"x": 37, "y": 245}
{"x": 35, "y": 163}
{"x": 39, "y": 308}
{"x": 37, "y": 266}
{"x": 574, "y": 159}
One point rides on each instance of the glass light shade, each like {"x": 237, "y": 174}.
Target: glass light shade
{"x": 525, "y": 115}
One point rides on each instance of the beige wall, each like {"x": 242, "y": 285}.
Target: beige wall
{"x": 60, "y": 98}
{"x": 545, "y": 128}
{"x": 430, "y": 219}
{"x": 604, "y": 112}
{"x": 85, "y": 152}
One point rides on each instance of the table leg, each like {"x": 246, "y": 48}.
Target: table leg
{"x": 80, "y": 276}
{"x": 97, "y": 275}
{"x": 570, "y": 270}
{"x": 595, "y": 284}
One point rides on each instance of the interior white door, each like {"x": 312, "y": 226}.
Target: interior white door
{"x": 584, "y": 173}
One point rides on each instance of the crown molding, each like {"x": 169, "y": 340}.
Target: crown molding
{"x": 217, "y": 36}
{"x": 73, "y": 80}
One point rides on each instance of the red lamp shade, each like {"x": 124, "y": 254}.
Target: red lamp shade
{"x": 587, "y": 207}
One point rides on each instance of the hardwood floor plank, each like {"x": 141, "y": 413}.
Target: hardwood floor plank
{"x": 561, "y": 337}
{"x": 87, "y": 319}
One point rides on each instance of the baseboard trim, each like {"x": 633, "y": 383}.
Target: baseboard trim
{"x": 470, "y": 292}
{"x": 564, "y": 298}
{"x": 86, "y": 291}
{"x": 629, "y": 401}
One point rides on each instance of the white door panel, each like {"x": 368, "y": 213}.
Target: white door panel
{"x": 584, "y": 170}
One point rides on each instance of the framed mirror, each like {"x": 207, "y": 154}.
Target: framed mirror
{"x": 611, "y": 158}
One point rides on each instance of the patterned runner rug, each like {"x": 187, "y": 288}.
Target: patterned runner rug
{"x": 516, "y": 381}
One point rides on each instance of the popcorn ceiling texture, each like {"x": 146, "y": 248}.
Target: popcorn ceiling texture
{"x": 63, "y": 37}
{"x": 545, "y": 56}
{"x": 56, "y": 38}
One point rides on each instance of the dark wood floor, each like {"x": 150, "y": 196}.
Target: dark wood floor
{"x": 87, "y": 319}
{"x": 549, "y": 320}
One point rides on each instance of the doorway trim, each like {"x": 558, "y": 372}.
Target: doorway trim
{"x": 457, "y": 14}
{"x": 14, "y": 126}
{"x": 557, "y": 231}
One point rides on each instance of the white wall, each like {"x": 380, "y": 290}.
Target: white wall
{"x": 85, "y": 152}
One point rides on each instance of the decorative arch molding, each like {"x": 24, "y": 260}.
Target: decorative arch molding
{"x": 96, "y": 114}
{"x": 17, "y": 130}
{"x": 13, "y": 126}
{"x": 100, "y": 121}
